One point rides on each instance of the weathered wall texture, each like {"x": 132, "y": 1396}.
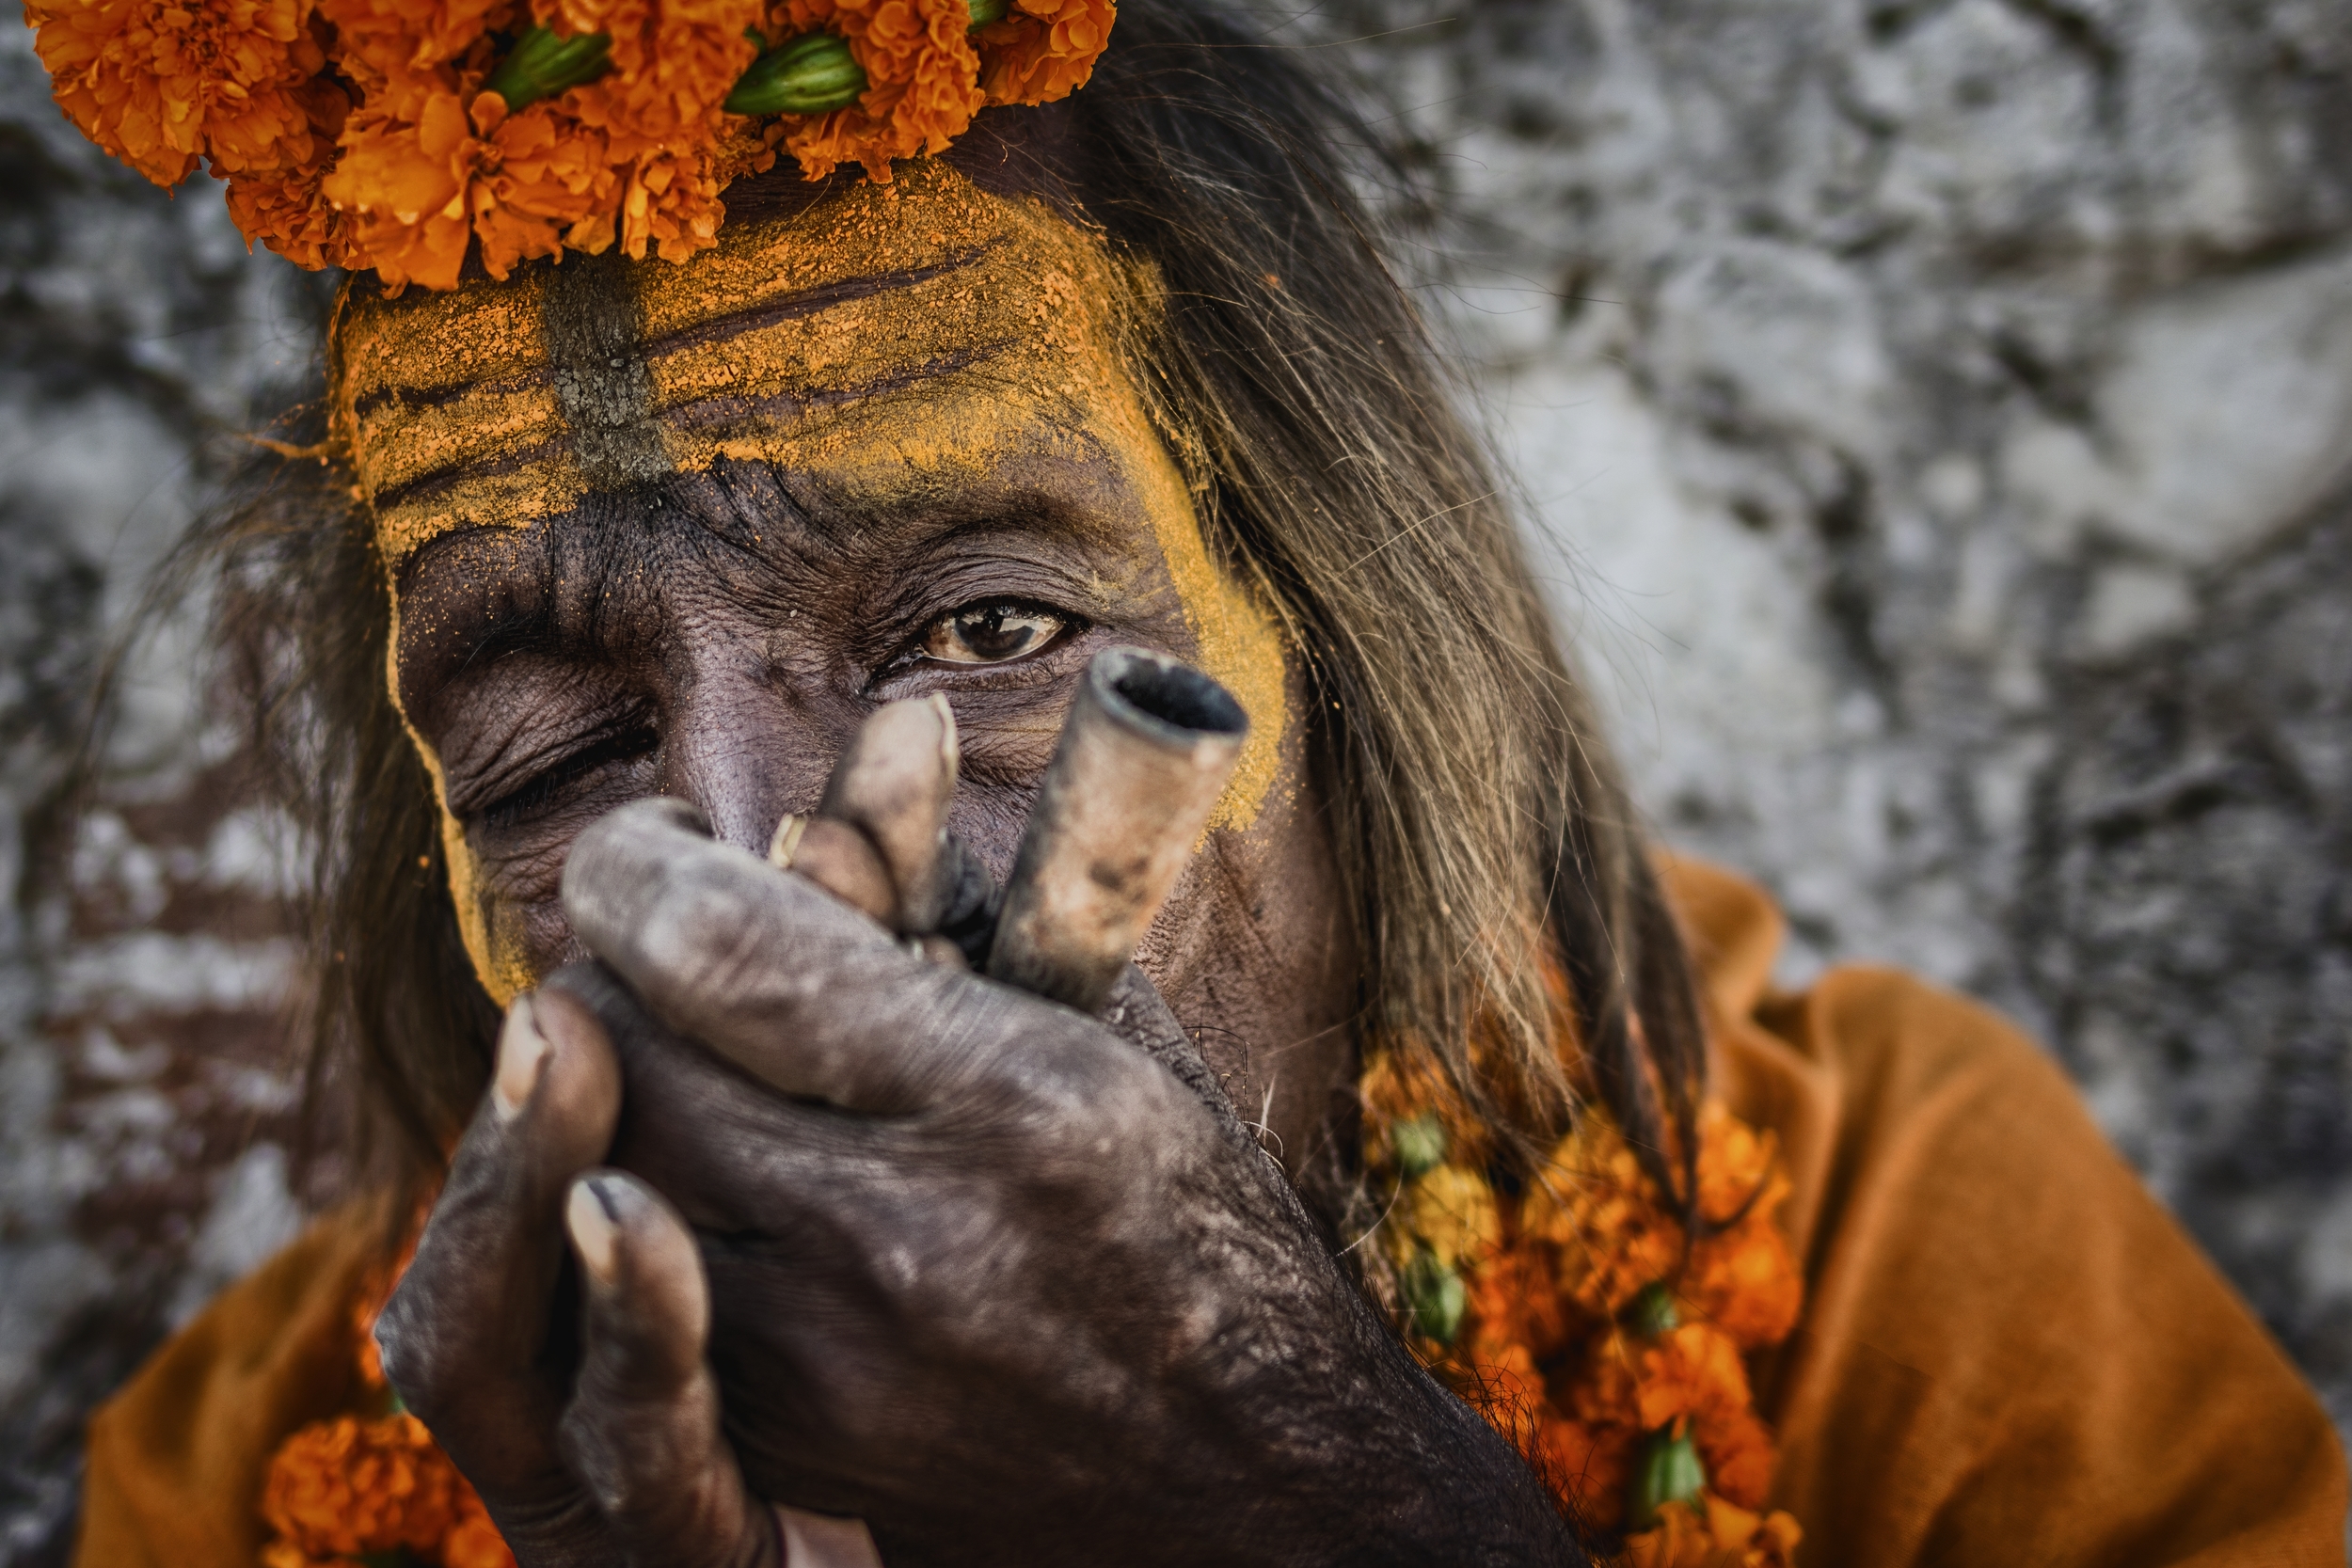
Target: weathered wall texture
{"x": 1938, "y": 418}
{"x": 143, "y": 1095}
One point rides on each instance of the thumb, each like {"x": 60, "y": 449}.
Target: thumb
{"x": 1138, "y": 1014}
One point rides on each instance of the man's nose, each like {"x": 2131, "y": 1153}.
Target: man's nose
{"x": 746, "y": 752}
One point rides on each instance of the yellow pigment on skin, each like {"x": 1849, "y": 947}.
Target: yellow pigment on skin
{"x": 862, "y": 390}
{"x": 499, "y": 965}
{"x": 452, "y": 390}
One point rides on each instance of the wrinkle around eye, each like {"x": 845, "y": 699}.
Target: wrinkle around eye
{"x": 504, "y": 726}
{"x": 547, "y": 791}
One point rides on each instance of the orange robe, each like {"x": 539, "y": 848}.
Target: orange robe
{"x": 2010, "y": 1353}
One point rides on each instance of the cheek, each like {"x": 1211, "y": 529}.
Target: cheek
{"x": 524, "y": 932}
{"x": 1243, "y": 935}
{"x": 497, "y": 931}
{"x": 1239, "y": 643}
{"x": 508, "y": 940}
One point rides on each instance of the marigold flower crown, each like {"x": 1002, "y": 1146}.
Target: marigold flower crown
{"x": 395, "y": 135}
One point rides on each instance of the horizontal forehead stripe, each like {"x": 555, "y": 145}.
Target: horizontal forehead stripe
{"x": 804, "y": 303}
{"x": 723, "y": 412}
{"x": 446, "y": 481}
{"x": 418, "y": 399}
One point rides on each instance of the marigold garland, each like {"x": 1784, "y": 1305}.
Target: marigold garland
{"x": 362, "y": 133}
{"x": 358, "y": 1486}
{"x": 1579, "y": 1321}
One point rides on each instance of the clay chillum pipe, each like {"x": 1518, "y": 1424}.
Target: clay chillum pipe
{"x": 1144, "y": 754}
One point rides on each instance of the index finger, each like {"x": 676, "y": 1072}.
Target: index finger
{"x": 758, "y": 965}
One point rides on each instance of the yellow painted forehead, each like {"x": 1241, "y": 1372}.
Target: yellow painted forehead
{"x": 499, "y": 405}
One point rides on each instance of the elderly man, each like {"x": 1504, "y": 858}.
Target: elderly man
{"x": 681, "y": 648}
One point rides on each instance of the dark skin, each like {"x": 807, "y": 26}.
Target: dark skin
{"x": 892, "y": 1241}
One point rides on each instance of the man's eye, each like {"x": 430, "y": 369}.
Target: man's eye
{"x": 553, "y": 787}
{"x": 991, "y": 633}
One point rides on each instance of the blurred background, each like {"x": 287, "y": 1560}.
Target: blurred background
{"x": 1934, "y": 416}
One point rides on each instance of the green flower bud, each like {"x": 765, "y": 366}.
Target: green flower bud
{"x": 1436, "y": 1295}
{"x": 542, "y": 65}
{"x": 1420, "y": 1143}
{"x": 1652, "y": 1312}
{"x": 986, "y": 11}
{"x": 812, "y": 75}
{"x": 1668, "y": 1471}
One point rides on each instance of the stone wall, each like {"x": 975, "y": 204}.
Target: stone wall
{"x": 1936, "y": 420}
{"x": 144, "y": 1083}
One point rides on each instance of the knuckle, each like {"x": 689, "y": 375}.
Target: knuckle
{"x": 415, "y": 1355}
{"x": 692, "y": 926}
{"x": 588, "y": 1440}
{"x": 1094, "y": 1109}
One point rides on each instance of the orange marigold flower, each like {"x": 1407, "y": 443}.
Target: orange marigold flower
{"x": 473, "y": 1542}
{"x": 673, "y": 64}
{"x": 402, "y": 182}
{"x": 921, "y": 77}
{"x": 284, "y": 207}
{"x": 659, "y": 113}
{"x": 1694, "y": 1371}
{"x": 671, "y": 202}
{"x": 1452, "y": 1211}
{"x": 1746, "y": 1282}
{"x": 1403, "y": 1081}
{"x": 1714, "y": 1534}
{"x": 423, "y": 42}
{"x": 432, "y": 164}
{"x": 1589, "y": 1468}
{"x": 285, "y": 1554}
{"x": 287, "y": 214}
{"x": 1597, "y": 1212}
{"x": 347, "y": 1487}
{"x": 1738, "y": 1165}
{"x": 1691, "y": 1375}
{"x": 540, "y": 181}
{"x": 1738, "y": 1454}
{"x": 1514, "y": 1305}
{"x": 1042, "y": 50}
{"x": 162, "y": 83}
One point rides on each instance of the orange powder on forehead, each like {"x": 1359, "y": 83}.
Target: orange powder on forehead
{"x": 819, "y": 342}
{"x": 448, "y": 407}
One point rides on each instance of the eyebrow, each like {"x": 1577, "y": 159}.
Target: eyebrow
{"x": 464, "y": 639}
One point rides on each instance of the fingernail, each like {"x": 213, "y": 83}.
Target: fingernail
{"x": 589, "y": 1217}
{"x": 787, "y": 841}
{"x": 950, "y": 753}
{"x": 523, "y": 1054}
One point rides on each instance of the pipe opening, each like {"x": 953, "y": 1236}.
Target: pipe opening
{"x": 1178, "y": 697}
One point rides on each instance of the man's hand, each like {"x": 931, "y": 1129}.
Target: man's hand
{"x": 1006, "y": 1282}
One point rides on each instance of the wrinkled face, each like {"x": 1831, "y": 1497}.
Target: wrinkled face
{"x": 679, "y": 530}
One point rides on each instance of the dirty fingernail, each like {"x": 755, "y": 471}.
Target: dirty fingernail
{"x": 589, "y": 1217}
{"x": 523, "y": 1053}
{"x": 787, "y": 841}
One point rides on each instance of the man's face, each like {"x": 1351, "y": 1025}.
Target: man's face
{"x": 678, "y": 531}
